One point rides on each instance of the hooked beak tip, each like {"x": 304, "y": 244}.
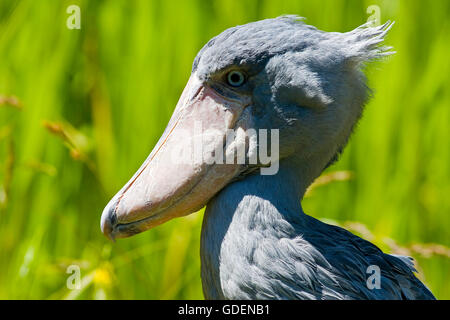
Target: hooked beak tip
{"x": 108, "y": 221}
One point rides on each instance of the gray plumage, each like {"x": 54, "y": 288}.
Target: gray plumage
{"x": 258, "y": 244}
{"x": 256, "y": 241}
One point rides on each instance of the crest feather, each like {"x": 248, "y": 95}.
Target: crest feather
{"x": 364, "y": 42}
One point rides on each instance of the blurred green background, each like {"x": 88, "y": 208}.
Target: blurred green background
{"x": 81, "y": 109}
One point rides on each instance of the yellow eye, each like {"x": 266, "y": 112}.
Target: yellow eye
{"x": 235, "y": 78}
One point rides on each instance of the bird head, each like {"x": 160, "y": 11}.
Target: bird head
{"x": 278, "y": 75}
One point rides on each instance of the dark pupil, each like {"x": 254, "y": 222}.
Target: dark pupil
{"x": 235, "y": 78}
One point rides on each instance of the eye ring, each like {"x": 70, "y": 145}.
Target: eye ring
{"x": 235, "y": 78}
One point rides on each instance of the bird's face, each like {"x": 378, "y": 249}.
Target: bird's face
{"x": 182, "y": 172}
{"x": 271, "y": 74}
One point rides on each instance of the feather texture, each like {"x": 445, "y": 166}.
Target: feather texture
{"x": 257, "y": 246}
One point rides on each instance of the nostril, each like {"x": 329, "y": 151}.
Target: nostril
{"x": 109, "y": 220}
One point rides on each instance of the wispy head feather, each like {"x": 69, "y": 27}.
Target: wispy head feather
{"x": 363, "y": 43}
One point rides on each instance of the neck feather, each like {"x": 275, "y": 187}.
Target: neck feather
{"x": 245, "y": 212}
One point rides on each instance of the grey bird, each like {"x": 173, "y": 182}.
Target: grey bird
{"x": 306, "y": 85}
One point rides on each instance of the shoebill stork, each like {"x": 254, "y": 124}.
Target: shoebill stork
{"x": 256, "y": 241}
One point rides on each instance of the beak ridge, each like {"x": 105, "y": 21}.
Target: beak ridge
{"x": 165, "y": 187}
